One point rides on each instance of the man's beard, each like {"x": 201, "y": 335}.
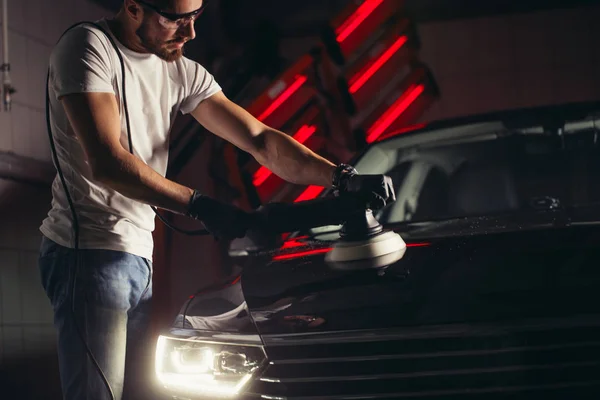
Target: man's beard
{"x": 157, "y": 48}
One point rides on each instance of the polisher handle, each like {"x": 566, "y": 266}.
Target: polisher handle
{"x": 286, "y": 217}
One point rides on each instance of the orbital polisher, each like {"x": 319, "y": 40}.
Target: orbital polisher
{"x": 363, "y": 242}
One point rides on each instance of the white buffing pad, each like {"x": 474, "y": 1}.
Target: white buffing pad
{"x": 376, "y": 252}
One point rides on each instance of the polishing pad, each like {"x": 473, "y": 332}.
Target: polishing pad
{"x": 375, "y": 252}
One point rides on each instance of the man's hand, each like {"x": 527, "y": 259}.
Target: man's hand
{"x": 222, "y": 220}
{"x": 376, "y": 190}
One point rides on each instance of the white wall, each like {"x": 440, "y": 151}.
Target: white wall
{"x": 27, "y": 337}
{"x": 489, "y": 64}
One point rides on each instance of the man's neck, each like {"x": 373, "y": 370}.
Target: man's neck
{"x": 124, "y": 33}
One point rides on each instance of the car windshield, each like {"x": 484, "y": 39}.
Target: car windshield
{"x": 487, "y": 168}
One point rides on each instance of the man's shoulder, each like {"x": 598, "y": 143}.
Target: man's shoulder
{"x": 81, "y": 49}
{"x": 83, "y": 34}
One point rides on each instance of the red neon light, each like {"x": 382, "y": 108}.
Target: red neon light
{"x": 261, "y": 176}
{"x": 360, "y": 80}
{"x": 301, "y": 136}
{"x": 401, "y": 131}
{"x": 292, "y": 243}
{"x": 300, "y": 79}
{"x": 301, "y": 254}
{"x": 327, "y": 250}
{"x": 304, "y": 133}
{"x": 310, "y": 193}
{"x": 295, "y": 242}
{"x": 394, "y": 112}
{"x": 356, "y": 19}
{"x": 418, "y": 244}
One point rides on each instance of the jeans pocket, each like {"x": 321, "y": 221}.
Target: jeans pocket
{"x": 54, "y": 276}
{"x": 48, "y": 248}
{"x": 146, "y": 292}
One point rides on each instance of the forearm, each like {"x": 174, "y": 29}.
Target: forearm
{"x": 292, "y": 161}
{"x": 134, "y": 179}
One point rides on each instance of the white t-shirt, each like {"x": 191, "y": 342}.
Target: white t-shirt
{"x": 84, "y": 60}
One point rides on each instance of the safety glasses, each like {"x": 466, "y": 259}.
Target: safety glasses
{"x": 173, "y": 21}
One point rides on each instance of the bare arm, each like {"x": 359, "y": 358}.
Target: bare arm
{"x": 95, "y": 120}
{"x": 282, "y": 154}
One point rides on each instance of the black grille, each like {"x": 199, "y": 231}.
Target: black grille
{"x": 552, "y": 359}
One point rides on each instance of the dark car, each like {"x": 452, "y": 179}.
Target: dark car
{"x": 497, "y": 295}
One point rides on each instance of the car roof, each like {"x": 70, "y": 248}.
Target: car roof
{"x": 519, "y": 117}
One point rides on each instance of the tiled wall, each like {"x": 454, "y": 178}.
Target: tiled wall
{"x": 28, "y": 367}
{"x": 34, "y": 27}
{"x": 27, "y": 338}
{"x": 494, "y": 63}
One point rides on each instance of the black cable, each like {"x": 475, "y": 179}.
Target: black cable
{"x": 73, "y": 277}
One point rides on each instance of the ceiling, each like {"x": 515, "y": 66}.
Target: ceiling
{"x": 314, "y": 12}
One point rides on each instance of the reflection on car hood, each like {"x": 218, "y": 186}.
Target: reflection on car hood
{"x": 512, "y": 222}
{"x": 546, "y": 270}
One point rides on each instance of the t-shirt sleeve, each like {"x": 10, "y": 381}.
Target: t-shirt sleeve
{"x": 80, "y": 62}
{"x": 201, "y": 85}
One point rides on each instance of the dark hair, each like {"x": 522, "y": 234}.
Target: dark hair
{"x": 166, "y": 4}
{"x": 162, "y": 4}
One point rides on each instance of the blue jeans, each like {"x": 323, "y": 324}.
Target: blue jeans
{"x": 106, "y": 296}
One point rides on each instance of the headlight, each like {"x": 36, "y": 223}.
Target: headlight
{"x": 204, "y": 368}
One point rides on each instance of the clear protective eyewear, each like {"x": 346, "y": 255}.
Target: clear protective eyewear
{"x": 173, "y": 21}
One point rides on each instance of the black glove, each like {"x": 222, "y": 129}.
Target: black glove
{"x": 375, "y": 190}
{"x": 223, "y": 221}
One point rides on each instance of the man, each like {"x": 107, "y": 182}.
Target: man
{"x": 96, "y": 252}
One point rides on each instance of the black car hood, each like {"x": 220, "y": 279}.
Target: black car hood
{"x": 469, "y": 270}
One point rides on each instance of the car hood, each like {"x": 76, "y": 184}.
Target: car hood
{"x": 469, "y": 270}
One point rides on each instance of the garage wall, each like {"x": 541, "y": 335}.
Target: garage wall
{"x": 27, "y": 338}
{"x": 495, "y": 63}
{"x": 34, "y": 27}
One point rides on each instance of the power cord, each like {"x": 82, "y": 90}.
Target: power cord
{"x": 73, "y": 277}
